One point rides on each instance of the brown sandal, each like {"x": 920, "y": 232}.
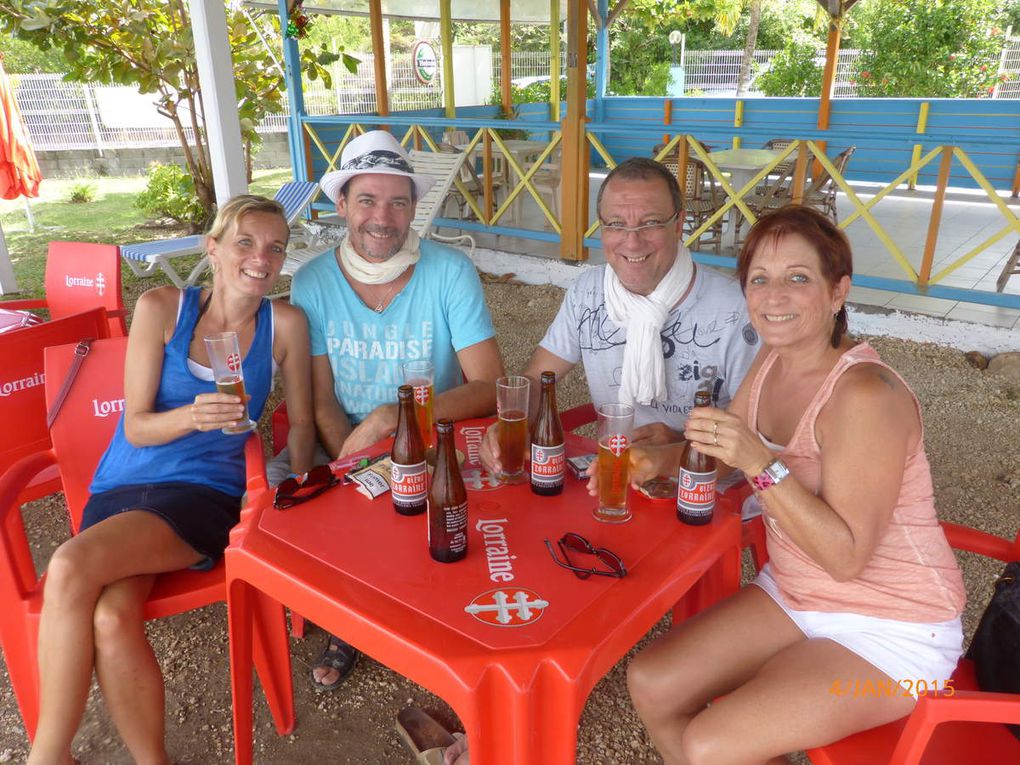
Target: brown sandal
{"x": 425, "y": 737}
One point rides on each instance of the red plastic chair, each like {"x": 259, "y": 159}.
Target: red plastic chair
{"x": 22, "y": 392}
{"x": 81, "y": 276}
{"x": 964, "y": 728}
{"x": 80, "y": 435}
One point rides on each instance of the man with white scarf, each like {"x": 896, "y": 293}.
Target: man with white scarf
{"x": 383, "y": 297}
{"x": 650, "y": 327}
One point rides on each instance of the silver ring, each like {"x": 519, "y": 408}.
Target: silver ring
{"x": 715, "y": 428}
{"x": 715, "y": 439}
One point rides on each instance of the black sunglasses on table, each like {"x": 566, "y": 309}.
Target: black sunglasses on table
{"x": 293, "y": 492}
{"x": 577, "y": 543}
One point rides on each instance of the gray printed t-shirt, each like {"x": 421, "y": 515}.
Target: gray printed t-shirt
{"x": 707, "y": 342}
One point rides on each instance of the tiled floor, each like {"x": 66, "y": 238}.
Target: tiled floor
{"x": 968, "y": 219}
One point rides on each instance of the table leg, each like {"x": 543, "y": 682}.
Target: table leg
{"x": 239, "y": 628}
{"x": 738, "y": 179}
{"x": 532, "y": 723}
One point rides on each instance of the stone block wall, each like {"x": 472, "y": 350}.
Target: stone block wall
{"x": 71, "y": 163}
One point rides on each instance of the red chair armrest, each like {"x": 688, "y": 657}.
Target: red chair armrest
{"x": 962, "y": 706}
{"x": 989, "y": 545}
{"x": 255, "y": 466}
{"x": 17, "y": 570}
{"x": 578, "y": 416}
{"x": 23, "y": 305}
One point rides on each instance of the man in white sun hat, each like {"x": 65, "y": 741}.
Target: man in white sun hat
{"x": 382, "y": 297}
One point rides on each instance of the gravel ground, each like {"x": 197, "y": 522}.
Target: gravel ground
{"x": 971, "y": 437}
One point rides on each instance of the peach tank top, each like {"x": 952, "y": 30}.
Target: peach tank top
{"x": 912, "y": 576}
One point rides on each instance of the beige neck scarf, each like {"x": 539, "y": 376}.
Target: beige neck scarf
{"x": 371, "y": 272}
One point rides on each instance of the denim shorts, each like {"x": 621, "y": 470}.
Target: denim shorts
{"x": 201, "y": 516}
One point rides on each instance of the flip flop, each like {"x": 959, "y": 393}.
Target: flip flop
{"x": 426, "y": 738}
{"x": 338, "y": 655}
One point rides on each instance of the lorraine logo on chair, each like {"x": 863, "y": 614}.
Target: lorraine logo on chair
{"x": 98, "y": 282}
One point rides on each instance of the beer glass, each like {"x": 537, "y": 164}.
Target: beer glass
{"x": 616, "y": 421}
{"x": 225, "y": 359}
{"x": 512, "y": 405}
{"x": 419, "y": 375}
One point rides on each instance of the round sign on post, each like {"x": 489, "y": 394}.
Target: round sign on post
{"x": 425, "y": 62}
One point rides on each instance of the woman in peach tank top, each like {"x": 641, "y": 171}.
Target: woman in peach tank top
{"x": 862, "y": 589}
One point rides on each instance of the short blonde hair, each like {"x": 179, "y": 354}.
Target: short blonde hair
{"x": 228, "y": 216}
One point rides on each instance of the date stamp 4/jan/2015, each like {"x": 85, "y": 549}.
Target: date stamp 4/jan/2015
{"x": 863, "y": 688}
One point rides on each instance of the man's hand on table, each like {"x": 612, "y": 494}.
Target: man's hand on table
{"x": 380, "y": 423}
{"x": 654, "y": 434}
{"x": 489, "y": 453}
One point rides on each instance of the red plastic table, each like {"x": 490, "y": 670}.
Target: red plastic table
{"x": 512, "y": 641}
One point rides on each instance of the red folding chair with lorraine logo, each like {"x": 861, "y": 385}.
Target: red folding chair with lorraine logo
{"x": 80, "y": 435}
{"x": 81, "y": 276}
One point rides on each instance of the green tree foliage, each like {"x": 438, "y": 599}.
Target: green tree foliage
{"x": 170, "y": 193}
{"x": 927, "y": 48}
{"x": 149, "y": 44}
{"x": 793, "y": 72}
{"x": 21, "y": 57}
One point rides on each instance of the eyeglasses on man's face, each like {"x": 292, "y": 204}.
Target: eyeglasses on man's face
{"x": 292, "y": 492}
{"x": 578, "y": 544}
{"x": 649, "y": 228}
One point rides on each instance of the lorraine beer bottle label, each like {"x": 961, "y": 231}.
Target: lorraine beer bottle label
{"x": 409, "y": 484}
{"x": 695, "y": 495}
{"x": 548, "y": 464}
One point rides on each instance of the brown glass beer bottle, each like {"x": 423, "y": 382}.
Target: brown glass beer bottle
{"x": 447, "y": 501}
{"x": 548, "y": 458}
{"x": 408, "y": 477}
{"x": 695, "y": 498}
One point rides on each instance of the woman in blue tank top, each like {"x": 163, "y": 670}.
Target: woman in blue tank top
{"x": 168, "y": 490}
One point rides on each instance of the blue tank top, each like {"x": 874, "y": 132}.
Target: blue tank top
{"x": 210, "y": 458}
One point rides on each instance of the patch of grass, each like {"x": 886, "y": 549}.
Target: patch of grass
{"x": 111, "y": 216}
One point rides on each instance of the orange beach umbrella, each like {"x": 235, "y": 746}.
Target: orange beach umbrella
{"x": 19, "y": 171}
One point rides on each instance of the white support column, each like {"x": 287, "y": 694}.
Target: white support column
{"x": 216, "y": 75}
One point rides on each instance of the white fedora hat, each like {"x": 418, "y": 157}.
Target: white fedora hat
{"x": 376, "y": 151}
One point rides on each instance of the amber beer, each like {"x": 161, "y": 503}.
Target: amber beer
{"x": 419, "y": 374}
{"x": 512, "y": 395}
{"x": 548, "y": 448}
{"x": 409, "y": 479}
{"x": 448, "y": 507}
{"x": 695, "y": 498}
{"x": 225, "y": 360}
{"x": 513, "y": 442}
{"x": 423, "y": 395}
{"x": 616, "y": 421}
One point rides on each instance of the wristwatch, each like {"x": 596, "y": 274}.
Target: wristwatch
{"x": 773, "y": 473}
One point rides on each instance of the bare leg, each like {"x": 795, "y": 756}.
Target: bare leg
{"x": 127, "y": 670}
{"x": 707, "y": 656}
{"x": 123, "y": 546}
{"x": 791, "y": 705}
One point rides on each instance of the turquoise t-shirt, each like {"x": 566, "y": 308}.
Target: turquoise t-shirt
{"x": 441, "y": 311}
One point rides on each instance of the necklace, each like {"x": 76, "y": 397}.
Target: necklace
{"x": 382, "y": 303}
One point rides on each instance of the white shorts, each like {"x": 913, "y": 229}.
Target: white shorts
{"x": 917, "y": 655}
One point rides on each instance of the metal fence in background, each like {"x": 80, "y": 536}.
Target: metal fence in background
{"x": 67, "y": 115}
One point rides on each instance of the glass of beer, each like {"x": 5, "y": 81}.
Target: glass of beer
{"x": 419, "y": 375}
{"x": 512, "y": 405}
{"x": 616, "y": 421}
{"x": 225, "y": 359}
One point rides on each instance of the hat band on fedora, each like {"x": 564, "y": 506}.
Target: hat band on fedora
{"x": 379, "y": 159}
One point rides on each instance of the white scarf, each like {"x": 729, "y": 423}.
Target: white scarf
{"x": 644, "y": 375}
{"x": 371, "y": 272}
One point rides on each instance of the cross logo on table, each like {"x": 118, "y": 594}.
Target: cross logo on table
{"x": 234, "y": 362}
{"x": 421, "y": 394}
{"x": 511, "y": 607}
{"x": 618, "y": 444}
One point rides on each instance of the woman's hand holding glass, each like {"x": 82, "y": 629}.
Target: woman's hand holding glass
{"x": 215, "y": 411}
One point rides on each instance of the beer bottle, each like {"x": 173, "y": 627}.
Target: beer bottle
{"x": 548, "y": 459}
{"x": 447, "y": 501}
{"x": 409, "y": 480}
{"x": 695, "y": 498}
